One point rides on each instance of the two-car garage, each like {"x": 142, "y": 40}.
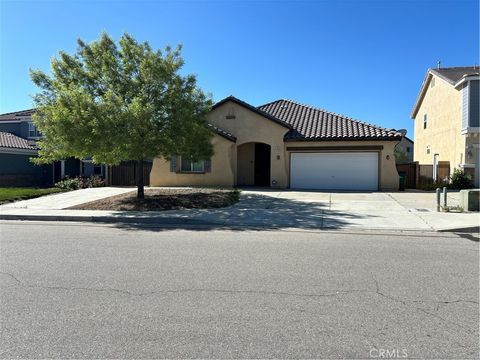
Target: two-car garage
{"x": 334, "y": 170}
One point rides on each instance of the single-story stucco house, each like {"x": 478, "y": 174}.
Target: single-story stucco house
{"x": 285, "y": 144}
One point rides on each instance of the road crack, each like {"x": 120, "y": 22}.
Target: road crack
{"x": 332, "y": 293}
{"x": 409, "y": 303}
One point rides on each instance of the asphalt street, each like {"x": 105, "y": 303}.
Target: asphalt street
{"x": 73, "y": 290}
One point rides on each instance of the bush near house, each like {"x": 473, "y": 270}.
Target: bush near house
{"x": 457, "y": 181}
{"x": 80, "y": 183}
{"x": 460, "y": 180}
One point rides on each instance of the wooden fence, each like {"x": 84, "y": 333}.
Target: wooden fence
{"x": 125, "y": 174}
{"x": 416, "y": 174}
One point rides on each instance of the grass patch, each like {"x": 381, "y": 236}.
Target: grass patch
{"x": 14, "y": 194}
{"x": 165, "y": 199}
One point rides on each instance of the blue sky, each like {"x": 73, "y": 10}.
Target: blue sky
{"x": 365, "y": 59}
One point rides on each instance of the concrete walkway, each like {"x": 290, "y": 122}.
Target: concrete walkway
{"x": 266, "y": 209}
{"x": 66, "y": 199}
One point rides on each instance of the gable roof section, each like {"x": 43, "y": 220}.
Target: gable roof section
{"x": 452, "y": 75}
{"x": 222, "y": 133}
{"x": 11, "y": 141}
{"x": 252, "y": 108}
{"x": 16, "y": 115}
{"x": 313, "y": 124}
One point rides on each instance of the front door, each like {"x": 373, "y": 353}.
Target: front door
{"x": 262, "y": 164}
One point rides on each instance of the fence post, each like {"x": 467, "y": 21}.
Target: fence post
{"x": 438, "y": 199}
{"x": 444, "y": 197}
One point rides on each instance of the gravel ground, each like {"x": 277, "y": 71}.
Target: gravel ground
{"x": 165, "y": 199}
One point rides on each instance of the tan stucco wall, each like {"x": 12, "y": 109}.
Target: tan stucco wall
{"x": 222, "y": 174}
{"x": 389, "y": 179}
{"x": 443, "y": 105}
{"x": 249, "y": 126}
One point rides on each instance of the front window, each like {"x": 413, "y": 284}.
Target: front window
{"x": 192, "y": 166}
{"x": 32, "y": 131}
{"x": 424, "y": 121}
{"x": 97, "y": 170}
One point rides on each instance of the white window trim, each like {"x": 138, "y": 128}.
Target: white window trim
{"x": 101, "y": 170}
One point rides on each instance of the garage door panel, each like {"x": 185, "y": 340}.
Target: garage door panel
{"x": 334, "y": 171}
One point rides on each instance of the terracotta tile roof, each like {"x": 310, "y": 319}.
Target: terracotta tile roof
{"x": 16, "y": 114}
{"x": 454, "y": 74}
{"x": 8, "y": 140}
{"x": 222, "y": 133}
{"x": 310, "y": 123}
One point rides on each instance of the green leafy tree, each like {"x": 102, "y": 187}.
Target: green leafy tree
{"x": 116, "y": 102}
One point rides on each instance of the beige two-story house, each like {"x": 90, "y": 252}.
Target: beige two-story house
{"x": 285, "y": 144}
{"x": 446, "y": 115}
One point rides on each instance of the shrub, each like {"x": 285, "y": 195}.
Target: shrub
{"x": 432, "y": 186}
{"x": 459, "y": 180}
{"x": 80, "y": 183}
{"x": 93, "y": 181}
{"x": 70, "y": 184}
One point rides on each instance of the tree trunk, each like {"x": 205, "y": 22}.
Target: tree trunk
{"x": 140, "y": 190}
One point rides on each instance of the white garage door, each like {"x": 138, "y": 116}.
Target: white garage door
{"x": 334, "y": 171}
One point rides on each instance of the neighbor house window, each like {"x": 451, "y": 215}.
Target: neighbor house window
{"x": 32, "y": 130}
{"x": 407, "y": 149}
{"x": 97, "y": 170}
{"x": 189, "y": 165}
{"x": 424, "y": 121}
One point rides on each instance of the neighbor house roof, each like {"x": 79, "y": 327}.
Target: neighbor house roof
{"x": 16, "y": 114}
{"x": 455, "y": 74}
{"x": 311, "y": 123}
{"x": 252, "y": 108}
{"x": 8, "y": 140}
{"x": 452, "y": 75}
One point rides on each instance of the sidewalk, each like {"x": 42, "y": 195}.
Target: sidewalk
{"x": 66, "y": 199}
{"x": 264, "y": 209}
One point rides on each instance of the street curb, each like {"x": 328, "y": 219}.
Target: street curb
{"x": 471, "y": 229}
{"x": 107, "y": 219}
{"x": 168, "y": 222}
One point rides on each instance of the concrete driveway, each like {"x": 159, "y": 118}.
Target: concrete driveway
{"x": 375, "y": 210}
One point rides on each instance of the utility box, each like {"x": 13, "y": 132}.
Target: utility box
{"x": 470, "y": 199}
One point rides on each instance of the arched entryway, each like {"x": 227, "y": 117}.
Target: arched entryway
{"x": 253, "y": 164}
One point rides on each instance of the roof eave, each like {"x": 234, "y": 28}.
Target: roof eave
{"x": 423, "y": 90}
{"x": 465, "y": 79}
{"x": 388, "y": 138}
{"x": 252, "y": 108}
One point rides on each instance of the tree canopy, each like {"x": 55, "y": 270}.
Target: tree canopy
{"x": 116, "y": 102}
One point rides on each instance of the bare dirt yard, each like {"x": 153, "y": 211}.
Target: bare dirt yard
{"x": 165, "y": 199}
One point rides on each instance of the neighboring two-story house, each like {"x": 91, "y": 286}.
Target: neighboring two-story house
{"x": 18, "y": 137}
{"x": 404, "y": 148}
{"x": 446, "y": 115}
